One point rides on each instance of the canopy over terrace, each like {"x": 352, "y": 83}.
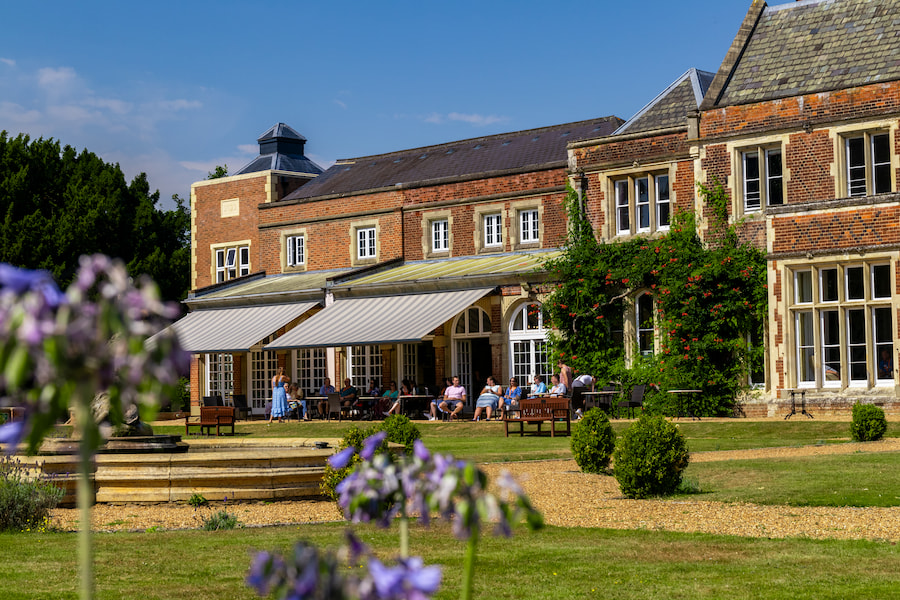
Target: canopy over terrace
{"x": 234, "y": 329}
{"x": 378, "y": 320}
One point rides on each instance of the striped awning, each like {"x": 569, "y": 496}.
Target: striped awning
{"x": 234, "y": 329}
{"x": 378, "y": 320}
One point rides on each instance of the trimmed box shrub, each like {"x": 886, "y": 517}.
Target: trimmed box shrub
{"x": 868, "y": 423}
{"x": 650, "y": 457}
{"x": 593, "y": 441}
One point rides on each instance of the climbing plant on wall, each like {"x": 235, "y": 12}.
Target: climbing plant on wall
{"x": 708, "y": 306}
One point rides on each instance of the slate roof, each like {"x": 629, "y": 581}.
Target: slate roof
{"x": 281, "y": 149}
{"x": 672, "y": 105}
{"x": 810, "y": 46}
{"x": 481, "y": 156}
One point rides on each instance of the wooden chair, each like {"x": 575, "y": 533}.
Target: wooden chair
{"x": 636, "y": 400}
{"x": 334, "y": 406}
{"x": 215, "y": 400}
{"x": 241, "y": 410}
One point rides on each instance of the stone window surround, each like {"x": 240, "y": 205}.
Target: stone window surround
{"x": 225, "y": 246}
{"x": 354, "y": 251}
{"x": 282, "y": 244}
{"x": 427, "y": 219}
{"x": 478, "y": 215}
{"x": 607, "y": 181}
{"x": 735, "y": 149}
{"x": 515, "y": 208}
{"x": 839, "y": 166}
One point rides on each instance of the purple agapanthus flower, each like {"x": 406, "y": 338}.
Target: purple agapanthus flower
{"x": 11, "y": 435}
{"x": 342, "y": 458}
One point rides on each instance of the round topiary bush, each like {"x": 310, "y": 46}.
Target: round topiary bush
{"x": 868, "y": 423}
{"x": 400, "y": 430}
{"x": 650, "y": 458}
{"x": 593, "y": 441}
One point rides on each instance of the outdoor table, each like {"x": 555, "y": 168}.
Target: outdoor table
{"x": 601, "y": 398}
{"x": 414, "y": 402}
{"x": 793, "y": 393}
{"x": 681, "y": 394}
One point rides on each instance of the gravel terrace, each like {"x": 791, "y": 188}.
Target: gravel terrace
{"x": 570, "y": 498}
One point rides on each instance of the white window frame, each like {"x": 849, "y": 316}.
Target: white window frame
{"x": 623, "y": 210}
{"x": 366, "y": 243}
{"x": 645, "y": 334}
{"x": 232, "y": 262}
{"x": 440, "y": 235}
{"x": 296, "y": 250}
{"x": 311, "y": 368}
{"x": 529, "y": 226}
{"x": 641, "y": 201}
{"x": 363, "y": 363}
{"x": 493, "y": 230}
{"x": 768, "y": 181}
{"x": 663, "y": 199}
{"x": 863, "y": 179}
{"x": 528, "y": 348}
{"x": 219, "y": 374}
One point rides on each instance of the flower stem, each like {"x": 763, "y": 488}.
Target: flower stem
{"x": 404, "y": 537}
{"x": 85, "y": 499}
{"x": 469, "y": 567}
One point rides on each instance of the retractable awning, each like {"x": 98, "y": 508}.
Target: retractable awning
{"x": 378, "y": 320}
{"x": 234, "y": 329}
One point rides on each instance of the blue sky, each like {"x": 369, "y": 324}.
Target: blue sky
{"x": 175, "y": 88}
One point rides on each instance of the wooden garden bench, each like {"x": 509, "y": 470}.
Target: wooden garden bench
{"x": 540, "y": 411}
{"x": 211, "y": 416}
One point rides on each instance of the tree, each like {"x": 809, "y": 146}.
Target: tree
{"x": 219, "y": 172}
{"x": 57, "y": 204}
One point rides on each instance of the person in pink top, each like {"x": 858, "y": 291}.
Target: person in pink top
{"x": 455, "y": 393}
{"x": 565, "y": 375}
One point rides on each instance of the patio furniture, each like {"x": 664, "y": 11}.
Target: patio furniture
{"x": 335, "y": 407}
{"x": 635, "y": 401}
{"x": 682, "y": 394}
{"x": 539, "y": 411}
{"x": 241, "y": 410}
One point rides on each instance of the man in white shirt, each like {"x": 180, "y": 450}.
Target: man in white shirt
{"x": 586, "y": 383}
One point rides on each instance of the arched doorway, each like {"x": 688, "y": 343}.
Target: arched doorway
{"x": 472, "y": 350}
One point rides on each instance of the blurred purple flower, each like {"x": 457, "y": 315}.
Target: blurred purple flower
{"x": 342, "y": 458}
{"x": 420, "y": 451}
{"x": 371, "y": 444}
{"x": 11, "y": 434}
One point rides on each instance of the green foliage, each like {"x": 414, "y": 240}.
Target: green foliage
{"x": 708, "y": 298}
{"x": 220, "y": 171}
{"x": 25, "y": 502}
{"x": 181, "y": 396}
{"x": 593, "y": 441}
{"x": 197, "y": 500}
{"x": 650, "y": 458}
{"x": 400, "y": 430}
{"x": 220, "y": 520}
{"x": 57, "y": 204}
{"x": 354, "y": 437}
{"x": 868, "y": 423}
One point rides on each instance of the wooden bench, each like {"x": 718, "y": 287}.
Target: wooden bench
{"x": 540, "y": 411}
{"x": 211, "y": 416}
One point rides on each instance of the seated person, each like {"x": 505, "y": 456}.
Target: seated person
{"x": 370, "y": 398}
{"x": 538, "y": 388}
{"x": 885, "y": 365}
{"x": 557, "y": 388}
{"x": 432, "y": 414}
{"x": 349, "y": 394}
{"x": 392, "y": 395}
{"x": 454, "y": 395}
{"x": 489, "y": 399}
{"x": 326, "y": 389}
{"x": 296, "y": 402}
{"x": 512, "y": 396}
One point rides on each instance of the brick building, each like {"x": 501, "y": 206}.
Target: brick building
{"x": 356, "y": 268}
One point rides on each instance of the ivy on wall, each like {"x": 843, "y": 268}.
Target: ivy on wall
{"x": 709, "y": 308}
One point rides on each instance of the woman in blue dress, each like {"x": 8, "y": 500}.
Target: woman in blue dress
{"x": 279, "y": 396}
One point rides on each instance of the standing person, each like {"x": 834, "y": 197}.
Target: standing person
{"x": 454, "y": 394}
{"x": 565, "y": 374}
{"x": 487, "y": 401}
{"x": 279, "y": 396}
{"x": 432, "y": 414}
{"x": 326, "y": 389}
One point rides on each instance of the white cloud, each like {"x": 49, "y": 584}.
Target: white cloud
{"x": 119, "y": 107}
{"x": 8, "y": 61}
{"x": 475, "y": 119}
{"x": 180, "y": 104}
{"x": 435, "y": 118}
{"x": 341, "y": 104}
{"x": 53, "y": 78}
{"x": 249, "y": 148}
{"x": 18, "y": 115}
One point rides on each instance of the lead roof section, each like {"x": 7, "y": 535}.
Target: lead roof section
{"x": 671, "y": 107}
{"x": 542, "y": 147}
{"x": 281, "y": 149}
{"x": 810, "y": 46}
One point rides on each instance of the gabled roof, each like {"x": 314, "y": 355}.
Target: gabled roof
{"x": 544, "y": 147}
{"x": 807, "y": 47}
{"x": 281, "y": 149}
{"x": 671, "y": 107}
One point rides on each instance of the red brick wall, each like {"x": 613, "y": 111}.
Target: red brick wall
{"x": 837, "y": 230}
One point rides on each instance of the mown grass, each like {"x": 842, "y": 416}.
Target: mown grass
{"x": 858, "y": 479}
{"x": 554, "y": 562}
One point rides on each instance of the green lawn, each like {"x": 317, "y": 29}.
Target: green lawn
{"x": 555, "y": 562}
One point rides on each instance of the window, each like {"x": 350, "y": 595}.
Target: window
{"x": 365, "y": 243}
{"x": 312, "y": 369}
{"x": 843, "y": 325}
{"x": 232, "y": 263}
{"x": 493, "y": 234}
{"x": 409, "y": 362}
{"x": 364, "y": 363}
{"x": 263, "y": 366}
{"x": 219, "y": 374}
{"x": 643, "y": 315}
{"x": 528, "y": 343}
{"x": 440, "y": 236}
{"x": 763, "y": 178}
{"x": 296, "y": 250}
{"x": 529, "y": 227}
{"x": 868, "y": 160}
{"x": 642, "y": 203}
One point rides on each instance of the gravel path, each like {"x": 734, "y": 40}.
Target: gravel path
{"x": 570, "y": 498}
